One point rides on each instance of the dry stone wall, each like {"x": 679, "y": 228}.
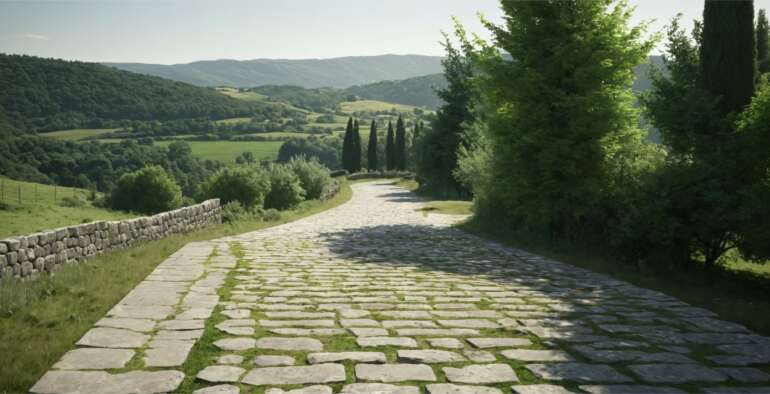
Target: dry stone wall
{"x": 28, "y": 256}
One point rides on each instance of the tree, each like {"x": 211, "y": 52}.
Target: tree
{"x": 728, "y": 53}
{"x": 763, "y": 47}
{"x": 560, "y": 116}
{"x": 348, "y": 148}
{"x": 715, "y": 172}
{"x": 390, "y": 149}
{"x": 371, "y": 163}
{"x": 149, "y": 191}
{"x": 356, "y": 154}
{"x": 437, "y": 159}
{"x": 245, "y": 185}
{"x": 400, "y": 145}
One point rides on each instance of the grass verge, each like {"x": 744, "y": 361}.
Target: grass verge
{"x": 41, "y": 320}
{"x": 735, "y": 295}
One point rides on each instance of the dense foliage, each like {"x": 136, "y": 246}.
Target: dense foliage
{"x": 552, "y": 147}
{"x": 763, "y": 42}
{"x": 317, "y": 100}
{"x": 439, "y": 147}
{"x": 400, "y": 145}
{"x": 285, "y": 188}
{"x": 46, "y": 94}
{"x": 325, "y": 149}
{"x": 93, "y": 165}
{"x": 149, "y": 191}
{"x": 246, "y": 185}
{"x": 313, "y": 177}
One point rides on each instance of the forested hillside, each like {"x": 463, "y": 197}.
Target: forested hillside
{"x": 47, "y": 94}
{"x": 418, "y": 91}
{"x": 309, "y": 73}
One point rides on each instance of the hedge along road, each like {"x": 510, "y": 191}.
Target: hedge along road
{"x": 375, "y": 296}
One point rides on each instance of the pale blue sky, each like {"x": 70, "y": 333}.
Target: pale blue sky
{"x": 180, "y": 31}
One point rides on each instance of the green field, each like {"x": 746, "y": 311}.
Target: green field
{"x": 233, "y": 120}
{"x": 227, "y": 151}
{"x": 281, "y": 134}
{"x": 246, "y": 96}
{"x": 76, "y": 134}
{"x": 30, "y": 207}
{"x": 373, "y": 106}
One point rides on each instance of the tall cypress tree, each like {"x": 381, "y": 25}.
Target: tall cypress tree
{"x": 763, "y": 48}
{"x": 400, "y": 145}
{"x": 371, "y": 162}
{"x": 347, "y": 148}
{"x": 390, "y": 149}
{"x": 727, "y": 53}
{"x": 356, "y": 154}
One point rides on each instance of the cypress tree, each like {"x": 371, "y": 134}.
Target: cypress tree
{"x": 728, "y": 52}
{"x": 371, "y": 162}
{"x": 347, "y": 148}
{"x": 763, "y": 36}
{"x": 390, "y": 149}
{"x": 356, "y": 147}
{"x": 400, "y": 145}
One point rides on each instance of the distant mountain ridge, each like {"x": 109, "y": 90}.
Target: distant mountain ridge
{"x": 339, "y": 72}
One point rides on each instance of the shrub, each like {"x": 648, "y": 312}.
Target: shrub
{"x": 245, "y": 185}
{"x": 313, "y": 177}
{"x": 72, "y": 202}
{"x": 233, "y": 211}
{"x": 149, "y": 190}
{"x": 271, "y": 215}
{"x": 285, "y": 188}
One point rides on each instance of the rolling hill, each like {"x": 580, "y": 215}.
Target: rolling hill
{"x": 418, "y": 91}
{"x": 39, "y": 94}
{"x": 308, "y": 73}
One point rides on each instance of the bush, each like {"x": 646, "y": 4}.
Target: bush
{"x": 72, "y": 202}
{"x": 285, "y": 188}
{"x": 234, "y": 211}
{"x": 313, "y": 177}
{"x": 149, "y": 190}
{"x": 244, "y": 185}
{"x": 271, "y": 215}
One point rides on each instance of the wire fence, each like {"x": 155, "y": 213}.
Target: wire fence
{"x": 31, "y": 193}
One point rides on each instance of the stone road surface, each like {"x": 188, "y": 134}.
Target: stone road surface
{"x": 377, "y": 297}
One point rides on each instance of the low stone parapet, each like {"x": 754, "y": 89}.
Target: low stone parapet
{"x": 28, "y": 256}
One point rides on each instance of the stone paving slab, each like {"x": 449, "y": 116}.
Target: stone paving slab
{"x": 376, "y": 296}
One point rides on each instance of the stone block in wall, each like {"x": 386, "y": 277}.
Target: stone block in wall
{"x": 32, "y": 240}
{"x": 22, "y": 255}
{"x": 3, "y": 248}
{"x": 31, "y": 254}
{"x": 39, "y": 264}
{"x": 11, "y": 244}
{"x": 13, "y": 258}
{"x": 61, "y": 234}
{"x": 26, "y": 268}
{"x": 3, "y": 261}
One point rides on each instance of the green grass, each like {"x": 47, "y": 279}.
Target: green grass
{"x": 227, "y": 151}
{"x": 448, "y": 207}
{"x": 41, "y": 208}
{"x": 41, "y": 320}
{"x": 373, "y": 106}
{"x": 76, "y": 134}
{"x": 282, "y": 134}
{"x": 233, "y": 120}
{"x": 245, "y": 96}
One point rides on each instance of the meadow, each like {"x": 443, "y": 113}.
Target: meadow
{"x": 227, "y": 151}
{"x": 76, "y": 134}
{"x": 373, "y": 106}
{"x": 27, "y": 207}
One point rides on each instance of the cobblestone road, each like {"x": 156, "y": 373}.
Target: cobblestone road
{"x": 374, "y": 296}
